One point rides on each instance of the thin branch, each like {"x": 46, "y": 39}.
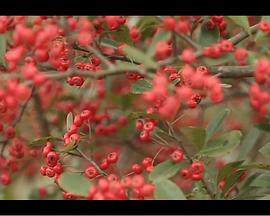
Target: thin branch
{"x": 233, "y": 71}
{"x": 91, "y": 161}
{"x": 16, "y": 121}
{"x": 40, "y": 115}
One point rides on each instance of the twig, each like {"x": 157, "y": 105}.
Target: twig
{"x": 91, "y": 161}
{"x": 40, "y": 115}
{"x": 16, "y": 121}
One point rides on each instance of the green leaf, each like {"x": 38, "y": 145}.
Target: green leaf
{"x": 147, "y": 21}
{"x": 222, "y": 145}
{"x": 167, "y": 190}
{"x": 207, "y": 37}
{"x": 215, "y": 124}
{"x": 122, "y": 35}
{"x": 141, "y": 86}
{"x": 126, "y": 66}
{"x": 260, "y": 34}
{"x": 165, "y": 170}
{"x": 109, "y": 43}
{"x": 248, "y": 143}
{"x": 160, "y": 36}
{"x": 241, "y": 21}
{"x": 228, "y": 169}
{"x": 232, "y": 179}
{"x": 195, "y": 135}
{"x": 138, "y": 56}
{"x": 75, "y": 183}
{"x": 264, "y": 127}
{"x": 69, "y": 120}
{"x": 43, "y": 140}
{"x": 3, "y": 48}
{"x": 262, "y": 181}
{"x": 265, "y": 150}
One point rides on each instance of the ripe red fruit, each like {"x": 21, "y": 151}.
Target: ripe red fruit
{"x": 148, "y": 126}
{"x": 177, "y": 156}
{"x": 137, "y": 181}
{"x": 5, "y": 178}
{"x": 10, "y": 133}
{"x": 169, "y": 23}
{"x": 91, "y": 172}
{"x": 147, "y": 162}
{"x": 50, "y": 172}
{"x": 185, "y": 173}
{"x": 197, "y": 176}
{"x": 163, "y": 50}
{"x": 104, "y": 164}
{"x": 112, "y": 157}
{"x": 134, "y": 34}
{"x": 144, "y": 136}
{"x": 197, "y": 167}
{"x": 137, "y": 168}
{"x": 139, "y": 124}
{"x": 47, "y": 148}
{"x": 52, "y": 158}
{"x": 188, "y": 56}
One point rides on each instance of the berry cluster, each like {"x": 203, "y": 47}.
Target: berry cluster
{"x": 260, "y": 98}
{"x": 219, "y": 21}
{"x": 111, "y": 188}
{"x": 146, "y": 126}
{"x": 53, "y": 167}
{"x": 194, "y": 171}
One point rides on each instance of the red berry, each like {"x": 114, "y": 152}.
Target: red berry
{"x": 177, "y": 156}
{"x": 147, "y": 162}
{"x": 197, "y": 176}
{"x": 169, "y": 23}
{"x": 104, "y": 164}
{"x": 52, "y": 158}
{"x": 91, "y": 172}
{"x": 197, "y": 167}
{"x": 144, "y": 136}
{"x": 43, "y": 170}
{"x": 112, "y": 157}
{"x": 148, "y": 126}
{"x": 5, "y": 178}
{"x": 10, "y": 133}
{"x": 137, "y": 168}
{"x": 185, "y": 172}
{"x": 139, "y": 124}
{"x": 50, "y": 172}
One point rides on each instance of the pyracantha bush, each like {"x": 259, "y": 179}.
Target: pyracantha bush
{"x": 135, "y": 107}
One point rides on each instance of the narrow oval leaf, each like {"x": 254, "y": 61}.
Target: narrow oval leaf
{"x": 262, "y": 181}
{"x": 167, "y": 190}
{"x": 138, "y": 56}
{"x": 195, "y": 135}
{"x": 248, "y": 143}
{"x": 216, "y": 122}
{"x": 241, "y": 21}
{"x": 232, "y": 179}
{"x": 141, "y": 86}
{"x": 265, "y": 150}
{"x": 3, "y": 47}
{"x": 43, "y": 140}
{"x": 160, "y": 36}
{"x": 207, "y": 37}
{"x": 227, "y": 169}
{"x": 165, "y": 170}
{"x": 69, "y": 120}
{"x": 229, "y": 142}
{"x": 75, "y": 183}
